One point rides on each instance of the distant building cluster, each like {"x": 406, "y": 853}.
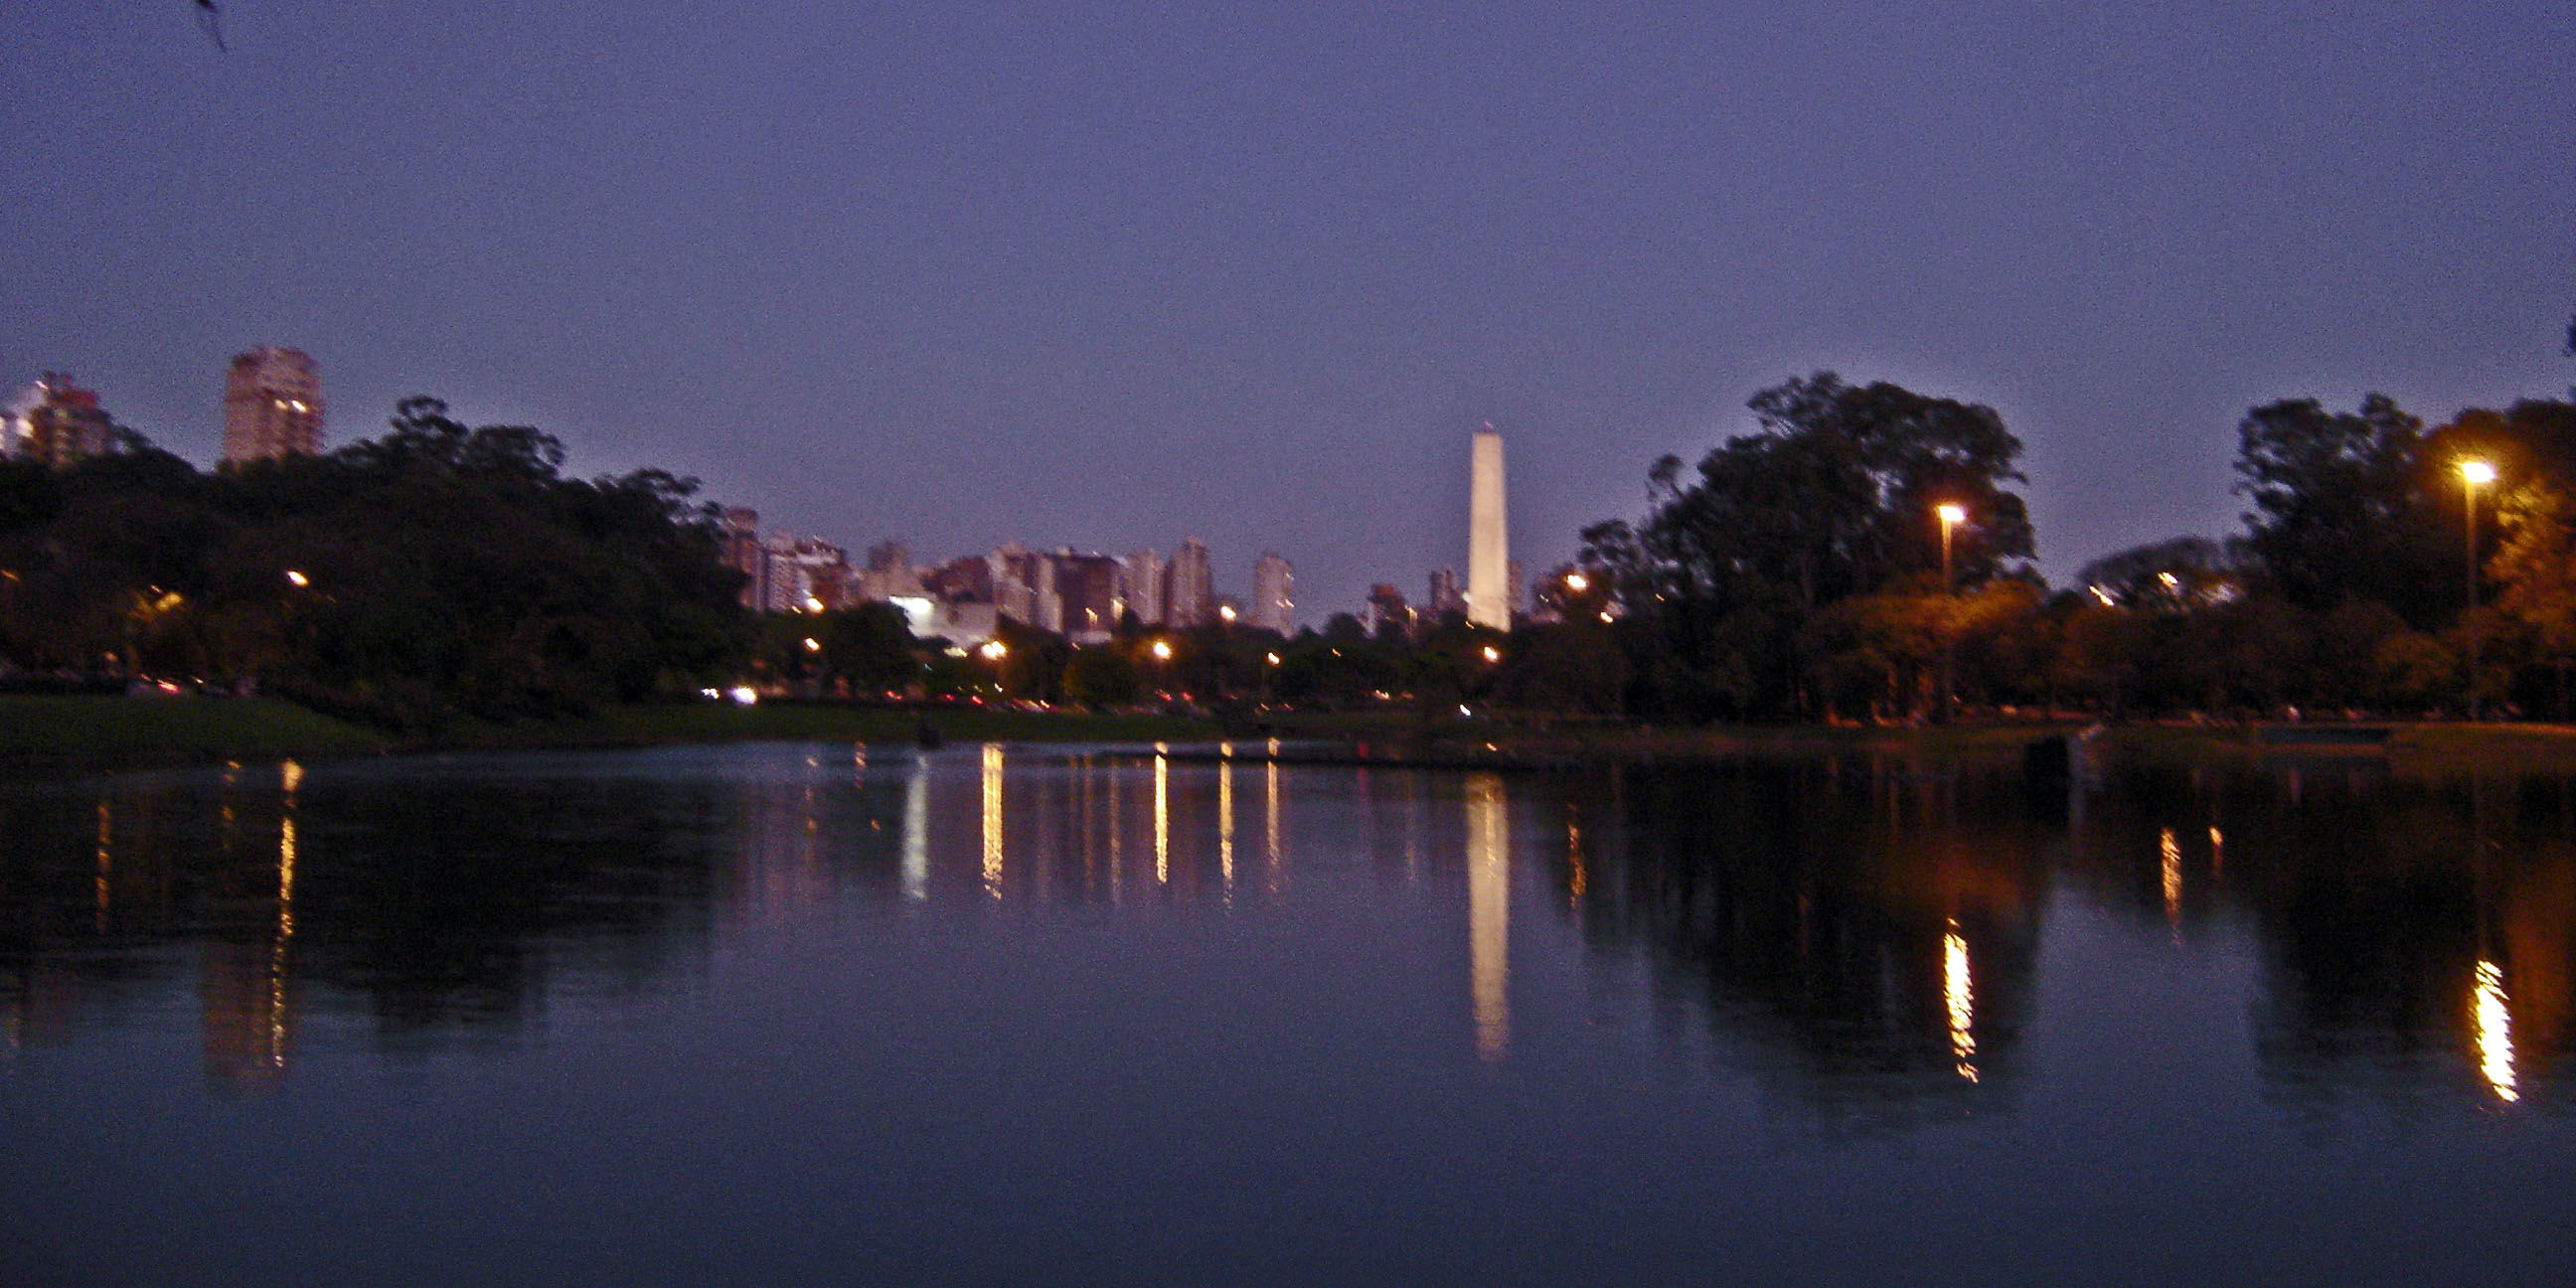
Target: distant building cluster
{"x": 272, "y": 409}
{"x": 1084, "y": 596}
{"x": 1387, "y": 608}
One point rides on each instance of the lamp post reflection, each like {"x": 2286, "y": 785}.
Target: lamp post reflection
{"x": 1959, "y": 994}
{"x": 1489, "y": 913}
{"x": 1162, "y": 813}
{"x": 292, "y": 775}
{"x": 2491, "y": 1020}
{"x": 1270, "y": 820}
{"x": 916, "y": 833}
{"x": 993, "y": 820}
{"x": 1225, "y": 818}
{"x": 2169, "y": 853}
{"x": 106, "y": 864}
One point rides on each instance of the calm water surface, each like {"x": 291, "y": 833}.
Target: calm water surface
{"x": 825, "y": 1014}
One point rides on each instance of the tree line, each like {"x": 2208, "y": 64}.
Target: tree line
{"x": 432, "y": 572}
{"x": 1806, "y": 571}
{"x": 1862, "y": 554}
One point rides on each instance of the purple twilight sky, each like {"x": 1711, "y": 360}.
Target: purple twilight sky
{"x": 1112, "y": 274}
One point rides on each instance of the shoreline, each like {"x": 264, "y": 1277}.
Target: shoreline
{"x": 47, "y": 737}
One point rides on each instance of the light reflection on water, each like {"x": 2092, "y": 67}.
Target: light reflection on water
{"x": 2301, "y": 974}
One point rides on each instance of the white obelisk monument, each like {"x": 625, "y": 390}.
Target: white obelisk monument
{"x": 1489, "y": 552}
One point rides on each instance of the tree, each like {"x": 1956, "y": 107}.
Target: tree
{"x": 1832, "y": 497}
{"x": 437, "y": 569}
{"x": 2165, "y": 576}
{"x": 2341, "y": 509}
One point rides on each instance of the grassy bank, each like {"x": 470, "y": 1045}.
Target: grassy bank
{"x": 43, "y": 734}
{"x": 640, "y": 726}
{"x": 2409, "y": 748}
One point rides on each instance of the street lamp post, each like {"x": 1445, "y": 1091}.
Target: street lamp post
{"x": 2473, "y": 475}
{"x": 1950, "y": 513}
{"x": 993, "y": 651}
{"x": 1162, "y": 651}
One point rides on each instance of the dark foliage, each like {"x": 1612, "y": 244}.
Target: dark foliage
{"x": 431, "y": 571}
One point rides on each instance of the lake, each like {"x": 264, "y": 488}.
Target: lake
{"x": 834, "y": 1014}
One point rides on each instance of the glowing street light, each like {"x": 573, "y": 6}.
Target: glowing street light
{"x": 1951, "y": 514}
{"x": 1577, "y": 582}
{"x": 1493, "y": 654}
{"x": 297, "y": 579}
{"x": 813, "y": 645}
{"x": 1162, "y": 650}
{"x": 994, "y": 650}
{"x": 2473, "y": 475}
{"x": 1225, "y": 613}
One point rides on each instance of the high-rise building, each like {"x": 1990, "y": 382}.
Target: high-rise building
{"x": 1489, "y": 592}
{"x": 1448, "y": 596}
{"x": 1385, "y": 608}
{"x": 60, "y": 423}
{"x": 13, "y": 419}
{"x": 744, "y": 554}
{"x": 1087, "y": 591}
{"x": 889, "y": 575}
{"x": 1274, "y": 601}
{"x": 1141, "y": 585}
{"x": 805, "y": 574}
{"x": 967, "y": 579}
{"x": 1190, "y": 594}
{"x": 272, "y": 406}
{"x": 1015, "y": 573}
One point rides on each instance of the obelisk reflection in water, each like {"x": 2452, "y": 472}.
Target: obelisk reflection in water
{"x": 1489, "y": 912}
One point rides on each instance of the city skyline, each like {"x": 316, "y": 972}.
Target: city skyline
{"x": 1114, "y": 275}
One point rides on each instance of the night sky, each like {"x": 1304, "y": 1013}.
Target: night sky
{"x": 1111, "y": 275}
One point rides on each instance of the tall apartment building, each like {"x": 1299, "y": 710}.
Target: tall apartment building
{"x": 805, "y": 573}
{"x": 1448, "y": 595}
{"x": 1015, "y": 571}
{"x": 272, "y": 406}
{"x": 1141, "y": 585}
{"x": 889, "y": 575}
{"x": 59, "y": 422}
{"x": 743, "y": 554}
{"x": 1274, "y": 600}
{"x": 1189, "y": 597}
{"x": 1087, "y": 593}
{"x": 1386, "y": 607}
